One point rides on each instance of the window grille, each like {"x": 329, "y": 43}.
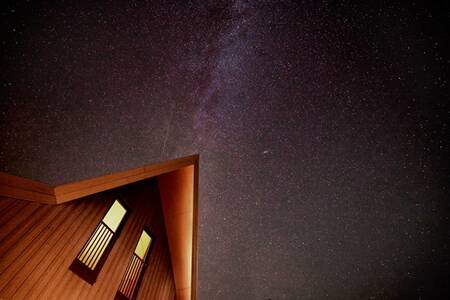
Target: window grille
{"x": 92, "y": 256}
{"x": 129, "y": 285}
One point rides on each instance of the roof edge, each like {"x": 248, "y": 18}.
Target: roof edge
{"x": 31, "y": 190}
{"x": 76, "y": 190}
{"x": 26, "y": 189}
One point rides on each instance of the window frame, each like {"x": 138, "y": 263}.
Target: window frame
{"x": 119, "y": 295}
{"x": 80, "y": 268}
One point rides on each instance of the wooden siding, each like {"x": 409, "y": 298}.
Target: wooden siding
{"x": 38, "y": 242}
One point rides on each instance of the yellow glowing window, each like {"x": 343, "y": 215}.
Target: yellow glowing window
{"x": 143, "y": 245}
{"x": 114, "y": 216}
{"x": 129, "y": 285}
{"x": 94, "y": 253}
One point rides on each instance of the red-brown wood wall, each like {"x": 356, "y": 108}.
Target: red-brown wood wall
{"x": 38, "y": 242}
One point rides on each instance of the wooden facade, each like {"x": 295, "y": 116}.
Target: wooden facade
{"x": 39, "y": 237}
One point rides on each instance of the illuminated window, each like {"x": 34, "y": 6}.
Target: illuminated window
{"x": 129, "y": 285}
{"x": 92, "y": 256}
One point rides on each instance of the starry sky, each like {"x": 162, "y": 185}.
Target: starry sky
{"x": 322, "y": 129}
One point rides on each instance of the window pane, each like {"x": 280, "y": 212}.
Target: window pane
{"x": 114, "y": 216}
{"x": 143, "y": 245}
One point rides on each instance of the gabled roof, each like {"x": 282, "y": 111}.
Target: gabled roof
{"x": 178, "y": 184}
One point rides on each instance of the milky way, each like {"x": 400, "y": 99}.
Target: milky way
{"x": 322, "y": 131}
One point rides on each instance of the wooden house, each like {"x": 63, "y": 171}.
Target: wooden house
{"x": 127, "y": 235}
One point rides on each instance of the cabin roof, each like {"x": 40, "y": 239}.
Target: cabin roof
{"x": 179, "y": 194}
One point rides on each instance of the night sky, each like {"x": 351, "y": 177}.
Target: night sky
{"x": 322, "y": 129}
